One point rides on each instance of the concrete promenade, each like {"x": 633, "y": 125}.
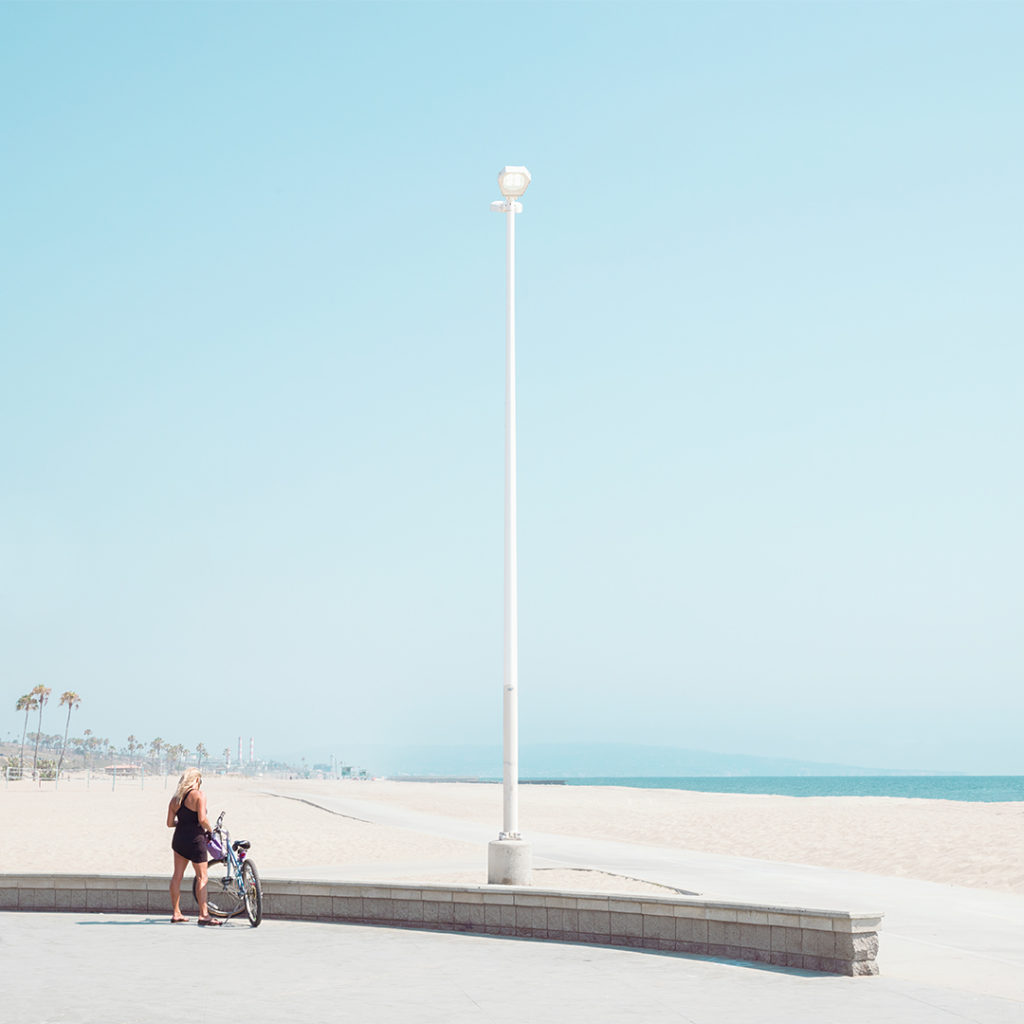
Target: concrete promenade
{"x": 120, "y": 969}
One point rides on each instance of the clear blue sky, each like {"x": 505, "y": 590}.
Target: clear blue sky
{"x": 769, "y": 333}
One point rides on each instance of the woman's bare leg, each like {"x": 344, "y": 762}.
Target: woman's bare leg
{"x": 203, "y": 878}
{"x": 180, "y": 863}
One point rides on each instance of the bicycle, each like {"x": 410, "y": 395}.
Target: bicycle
{"x": 240, "y": 887}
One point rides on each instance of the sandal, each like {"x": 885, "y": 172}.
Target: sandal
{"x": 208, "y": 922}
{"x": 178, "y": 920}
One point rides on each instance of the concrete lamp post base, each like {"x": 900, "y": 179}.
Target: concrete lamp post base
{"x": 509, "y": 862}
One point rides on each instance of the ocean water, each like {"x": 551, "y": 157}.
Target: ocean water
{"x": 973, "y": 788}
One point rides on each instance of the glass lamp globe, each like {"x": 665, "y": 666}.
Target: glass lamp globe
{"x": 513, "y": 181}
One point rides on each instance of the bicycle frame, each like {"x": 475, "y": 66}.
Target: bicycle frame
{"x": 234, "y": 855}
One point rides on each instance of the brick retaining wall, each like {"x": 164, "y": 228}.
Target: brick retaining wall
{"x": 836, "y": 942}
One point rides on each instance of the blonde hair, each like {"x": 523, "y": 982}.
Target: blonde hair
{"x": 190, "y": 779}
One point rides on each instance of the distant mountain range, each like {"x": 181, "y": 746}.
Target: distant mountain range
{"x": 585, "y": 760}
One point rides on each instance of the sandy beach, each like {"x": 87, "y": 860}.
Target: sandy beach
{"x": 90, "y": 828}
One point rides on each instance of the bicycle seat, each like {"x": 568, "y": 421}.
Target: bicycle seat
{"x": 241, "y": 844}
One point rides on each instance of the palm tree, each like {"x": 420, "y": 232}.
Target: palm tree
{"x": 90, "y": 743}
{"x": 201, "y": 752}
{"x": 156, "y": 746}
{"x": 26, "y": 703}
{"x": 72, "y": 700}
{"x": 42, "y": 695}
{"x": 133, "y": 745}
{"x": 227, "y": 758}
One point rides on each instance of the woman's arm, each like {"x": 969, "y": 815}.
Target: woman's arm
{"x": 172, "y": 810}
{"x": 201, "y": 812}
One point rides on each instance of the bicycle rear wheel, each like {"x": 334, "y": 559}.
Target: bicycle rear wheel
{"x": 222, "y": 896}
{"x": 253, "y": 893}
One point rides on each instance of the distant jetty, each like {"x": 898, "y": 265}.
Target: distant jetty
{"x": 474, "y": 778}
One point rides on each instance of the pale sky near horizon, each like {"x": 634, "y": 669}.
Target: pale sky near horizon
{"x": 769, "y": 342}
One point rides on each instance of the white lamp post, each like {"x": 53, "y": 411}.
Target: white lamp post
{"x": 509, "y": 857}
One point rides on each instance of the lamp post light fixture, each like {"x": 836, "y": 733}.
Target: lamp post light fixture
{"x": 509, "y": 857}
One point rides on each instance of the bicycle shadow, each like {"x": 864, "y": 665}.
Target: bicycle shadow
{"x": 127, "y": 924}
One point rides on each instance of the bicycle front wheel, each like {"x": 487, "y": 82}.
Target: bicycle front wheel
{"x": 222, "y": 896}
{"x": 253, "y": 893}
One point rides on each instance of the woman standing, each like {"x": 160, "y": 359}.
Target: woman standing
{"x": 186, "y": 814}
